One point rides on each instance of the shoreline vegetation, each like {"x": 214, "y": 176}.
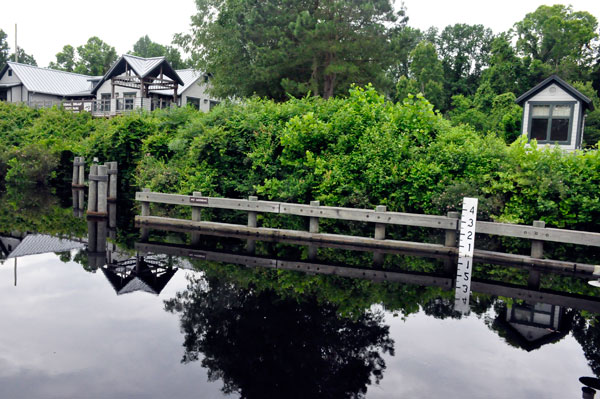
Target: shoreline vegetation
{"x": 358, "y": 151}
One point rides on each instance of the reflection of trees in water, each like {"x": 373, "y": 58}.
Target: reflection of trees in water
{"x": 586, "y": 331}
{"x": 263, "y": 346}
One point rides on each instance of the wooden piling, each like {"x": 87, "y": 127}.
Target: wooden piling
{"x": 537, "y": 246}
{"x": 93, "y": 190}
{"x": 75, "y": 180}
{"x": 78, "y": 172}
{"x": 112, "y": 181}
{"x": 102, "y": 191}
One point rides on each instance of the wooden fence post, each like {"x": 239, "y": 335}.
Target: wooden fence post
{"x": 380, "y": 227}
{"x": 314, "y": 221}
{"x": 145, "y": 212}
{"x": 450, "y": 239}
{"x": 252, "y": 215}
{"x": 537, "y": 246}
{"x": 196, "y": 217}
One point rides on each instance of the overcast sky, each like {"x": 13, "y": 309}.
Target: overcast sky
{"x": 44, "y": 27}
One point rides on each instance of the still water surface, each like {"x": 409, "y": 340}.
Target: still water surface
{"x": 66, "y": 333}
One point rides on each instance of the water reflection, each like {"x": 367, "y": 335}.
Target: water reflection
{"x": 139, "y": 274}
{"x": 264, "y": 346}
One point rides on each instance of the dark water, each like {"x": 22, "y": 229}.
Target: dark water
{"x": 156, "y": 325}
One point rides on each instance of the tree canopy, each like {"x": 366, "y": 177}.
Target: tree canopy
{"x": 94, "y": 58}
{"x": 146, "y": 48}
{"x": 278, "y": 47}
{"x": 4, "y": 48}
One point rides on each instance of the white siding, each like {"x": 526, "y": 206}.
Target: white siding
{"x": 557, "y": 94}
{"x": 197, "y": 90}
{"x": 106, "y": 88}
{"x": 17, "y": 94}
{"x": 14, "y": 94}
{"x": 9, "y": 79}
{"x": 46, "y": 100}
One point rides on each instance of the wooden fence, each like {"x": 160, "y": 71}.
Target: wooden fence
{"x": 379, "y": 216}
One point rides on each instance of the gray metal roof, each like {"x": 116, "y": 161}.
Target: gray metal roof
{"x": 49, "y": 81}
{"x": 587, "y": 103}
{"x": 143, "y": 66}
{"x": 189, "y": 77}
{"x": 40, "y": 244}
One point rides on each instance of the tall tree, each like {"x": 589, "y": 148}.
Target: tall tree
{"x": 465, "y": 52}
{"x": 65, "y": 60}
{"x": 145, "y": 47}
{"x": 4, "y": 48}
{"x": 95, "y": 57}
{"x": 272, "y": 47}
{"x": 403, "y": 40}
{"x": 426, "y": 69}
{"x": 23, "y": 57}
{"x": 560, "y": 37}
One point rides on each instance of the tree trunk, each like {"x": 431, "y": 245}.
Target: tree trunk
{"x": 328, "y": 79}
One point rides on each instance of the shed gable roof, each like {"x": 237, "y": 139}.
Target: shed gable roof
{"x": 587, "y": 103}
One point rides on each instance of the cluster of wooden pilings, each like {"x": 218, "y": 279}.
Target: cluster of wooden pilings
{"x": 101, "y": 206}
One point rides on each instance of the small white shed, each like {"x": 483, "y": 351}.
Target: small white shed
{"x": 554, "y": 113}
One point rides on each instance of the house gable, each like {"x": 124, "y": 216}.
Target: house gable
{"x": 553, "y": 113}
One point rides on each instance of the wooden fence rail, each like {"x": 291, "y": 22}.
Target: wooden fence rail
{"x": 379, "y": 216}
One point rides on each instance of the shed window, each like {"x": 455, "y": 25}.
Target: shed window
{"x": 551, "y": 122}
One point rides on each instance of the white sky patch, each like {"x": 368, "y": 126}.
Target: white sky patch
{"x": 44, "y": 27}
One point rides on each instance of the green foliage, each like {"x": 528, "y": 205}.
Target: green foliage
{"x": 591, "y": 135}
{"x": 23, "y": 57}
{"x": 323, "y": 47}
{"x": 560, "y": 37}
{"x": 95, "y": 57}
{"x": 30, "y": 163}
{"x": 65, "y": 60}
{"x": 4, "y": 48}
{"x": 146, "y": 48}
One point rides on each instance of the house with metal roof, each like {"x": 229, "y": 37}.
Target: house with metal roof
{"x": 131, "y": 83}
{"x": 21, "y": 83}
{"x": 554, "y": 113}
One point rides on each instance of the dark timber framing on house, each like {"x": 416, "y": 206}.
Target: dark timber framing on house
{"x": 122, "y": 74}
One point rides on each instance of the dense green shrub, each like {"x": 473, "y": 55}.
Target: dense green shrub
{"x": 359, "y": 151}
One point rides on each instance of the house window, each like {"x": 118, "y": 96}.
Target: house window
{"x": 105, "y": 102}
{"x": 129, "y": 99}
{"x": 10, "y": 72}
{"x": 193, "y": 102}
{"x": 551, "y": 122}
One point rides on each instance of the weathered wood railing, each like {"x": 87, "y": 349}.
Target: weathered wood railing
{"x": 380, "y": 216}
